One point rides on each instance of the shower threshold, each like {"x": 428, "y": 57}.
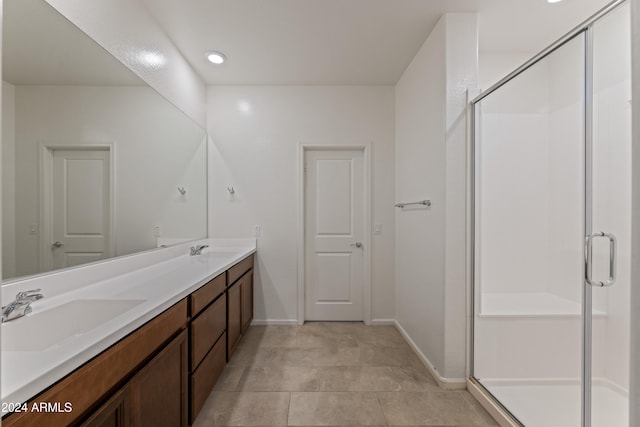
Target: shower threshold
{"x": 556, "y": 403}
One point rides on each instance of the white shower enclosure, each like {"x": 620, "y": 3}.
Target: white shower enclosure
{"x": 551, "y": 231}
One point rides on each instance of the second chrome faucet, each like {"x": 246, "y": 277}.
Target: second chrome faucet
{"x": 21, "y": 305}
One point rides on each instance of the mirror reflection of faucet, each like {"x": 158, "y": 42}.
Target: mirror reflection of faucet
{"x": 21, "y": 306}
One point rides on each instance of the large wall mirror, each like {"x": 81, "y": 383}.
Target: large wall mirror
{"x": 95, "y": 163}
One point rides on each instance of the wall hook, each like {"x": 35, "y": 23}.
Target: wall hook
{"x": 182, "y": 190}
{"x": 231, "y": 190}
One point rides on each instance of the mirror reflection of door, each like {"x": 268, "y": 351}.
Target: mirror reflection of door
{"x": 80, "y": 207}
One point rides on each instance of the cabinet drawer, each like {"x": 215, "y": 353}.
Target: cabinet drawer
{"x": 235, "y": 272}
{"x": 207, "y": 293}
{"x": 205, "y": 377}
{"x": 206, "y": 329}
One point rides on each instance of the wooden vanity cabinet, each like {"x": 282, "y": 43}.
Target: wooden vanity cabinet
{"x": 155, "y": 396}
{"x": 239, "y": 302}
{"x": 246, "y": 292}
{"x": 206, "y": 375}
{"x": 207, "y": 341}
{"x": 238, "y": 270}
{"x": 102, "y": 378}
{"x": 159, "y": 392}
{"x": 202, "y": 297}
{"x": 162, "y": 373}
{"x": 114, "y": 413}
{"x": 234, "y": 317}
{"x": 206, "y": 329}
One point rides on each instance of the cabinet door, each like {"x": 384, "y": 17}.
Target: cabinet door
{"x": 159, "y": 390}
{"x": 247, "y": 300}
{"x": 114, "y": 413}
{"x": 234, "y": 320}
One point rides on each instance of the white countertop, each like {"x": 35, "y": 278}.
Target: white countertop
{"x": 25, "y": 373}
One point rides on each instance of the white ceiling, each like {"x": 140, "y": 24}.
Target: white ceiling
{"x": 344, "y": 42}
{"x": 41, "y": 47}
{"x": 332, "y": 42}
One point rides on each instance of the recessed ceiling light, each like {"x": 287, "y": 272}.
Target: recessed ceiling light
{"x": 554, "y": 1}
{"x": 215, "y": 57}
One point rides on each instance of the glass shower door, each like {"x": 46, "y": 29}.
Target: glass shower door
{"x": 529, "y": 232}
{"x": 552, "y": 227}
{"x": 608, "y": 245}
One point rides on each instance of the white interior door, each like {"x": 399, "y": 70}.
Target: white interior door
{"x": 81, "y": 209}
{"x": 334, "y": 231}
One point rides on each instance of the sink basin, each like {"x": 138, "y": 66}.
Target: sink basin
{"x": 39, "y": 331}
{"x": 214, "y": 255}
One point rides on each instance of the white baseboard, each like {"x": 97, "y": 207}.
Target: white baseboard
{"x": 280, "y": 322}
{"x": 446, "y": 383}
{"x": 375, "y": 322}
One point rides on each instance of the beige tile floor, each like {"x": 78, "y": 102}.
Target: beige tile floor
{"x": 332, "y": 374}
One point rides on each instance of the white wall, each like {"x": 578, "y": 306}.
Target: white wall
{"x": 430, "y": 163}
{"x": 513, "y": 202}
{"x": 157, "y": 148}
{"x": 565, "y": 186}
{"x": 8, "y": 180}
{"x": 530, "y": 177}
{"x": 420, "y": 163}
{"x": 512, "y": 169}
{"x": 255, "y": 131}
{"x": 462, "y": 74}
{"x": 128, "y": 32}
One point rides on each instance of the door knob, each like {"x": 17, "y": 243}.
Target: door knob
{"x": 56, "y": 245}
{"x": 356, "y": 244}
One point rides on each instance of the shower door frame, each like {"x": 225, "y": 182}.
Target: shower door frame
{"x": 585, "y": 28}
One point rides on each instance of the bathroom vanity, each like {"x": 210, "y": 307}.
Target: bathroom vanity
{"x": 160, "y": 357}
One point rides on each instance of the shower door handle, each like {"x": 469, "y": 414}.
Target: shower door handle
{"x": 589, "y": 259}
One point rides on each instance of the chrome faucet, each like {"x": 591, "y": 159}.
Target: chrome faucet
{"x": 197, "y": 250}
{"x": 21, "y": 305}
